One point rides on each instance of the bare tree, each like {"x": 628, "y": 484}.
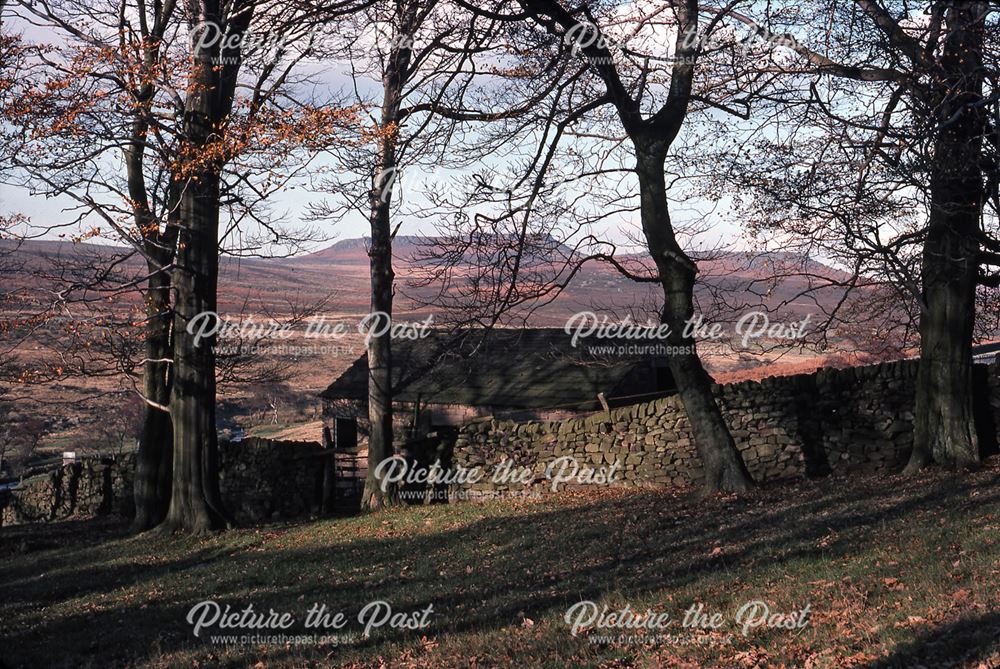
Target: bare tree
{"x": 636, "y": 98}
{"x": 130, "y": 92}
{"x": 405, "y": 19}
{"x": 210, "y": 140}
{"x": 420, "y": 53}
{"x": 888, "y": 161}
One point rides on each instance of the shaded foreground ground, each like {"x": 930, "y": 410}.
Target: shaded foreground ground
{"x": 896, "y": 572}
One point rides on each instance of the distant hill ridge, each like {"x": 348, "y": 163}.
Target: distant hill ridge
{"x": 339, "y": 275}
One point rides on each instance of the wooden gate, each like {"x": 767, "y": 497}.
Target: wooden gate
{"x": 349, "y": 472}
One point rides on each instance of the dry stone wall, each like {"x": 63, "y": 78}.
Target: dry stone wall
{"x": 836, "y": 420}
{"x": 857, "y": 419}
{"x": 260, "y": 479}
{"x": 81, "y": 489}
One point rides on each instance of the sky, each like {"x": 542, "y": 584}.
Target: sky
{"x": 294, "y": 204}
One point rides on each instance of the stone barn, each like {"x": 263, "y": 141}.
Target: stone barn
{"x": 448, "y": 379}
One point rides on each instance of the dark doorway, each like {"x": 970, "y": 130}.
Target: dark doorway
{"x": 664, "y": 380}
{"x": 345, "y": 434}
{"x": 982, "y": 411}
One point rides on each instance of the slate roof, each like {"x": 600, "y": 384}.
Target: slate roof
{"x": 525, "y": 368}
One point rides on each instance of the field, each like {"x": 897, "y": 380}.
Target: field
{"x": 78, "y": 402}
{"x": 895, "y": 572}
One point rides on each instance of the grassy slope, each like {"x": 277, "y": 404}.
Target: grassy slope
{"x": 905, "y": 571}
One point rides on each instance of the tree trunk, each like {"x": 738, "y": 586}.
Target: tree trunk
{"x": 153, "y": 469}
{"x": 380, "y": 438}
{"x": 153, "y": 466}
{"x": 724, "y": 468}
{"x": 196, "y": 502}
{"x": 944, "y": 427}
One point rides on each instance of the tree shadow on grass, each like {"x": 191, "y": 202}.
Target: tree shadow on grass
{"x": 19, "y": 539}
{"x": 486, "y": 575}
{"x": 970, "y": 642}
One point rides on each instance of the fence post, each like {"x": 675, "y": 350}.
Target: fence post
{"x": 329, "y": 473}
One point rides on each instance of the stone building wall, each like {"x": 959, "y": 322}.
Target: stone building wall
{"x": 988, "y": 404}
{"x": 856, "y": 419}
{"x": 409, "y": 419}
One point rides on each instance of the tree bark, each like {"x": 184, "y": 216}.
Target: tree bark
{"x": 196, "y": 503}
{"x": 944, "y": 426}
{"x": 153, "y": 473}
{"x": 153, "y": 469}
{"x": 723, "y": 467}
{"x": 377, "y": 495}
